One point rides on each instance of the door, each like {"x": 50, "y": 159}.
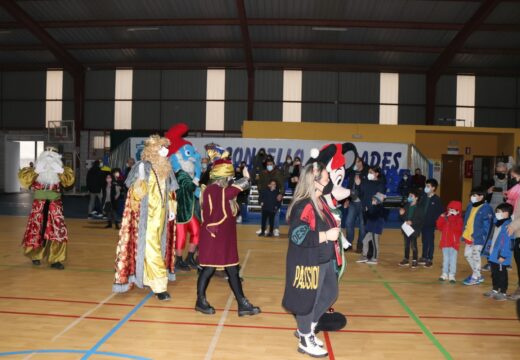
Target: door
{"x": 451, "y": 178}
{"x": 12, "y": 165}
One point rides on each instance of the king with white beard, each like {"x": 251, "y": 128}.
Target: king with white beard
{"x": 46, "y": 233}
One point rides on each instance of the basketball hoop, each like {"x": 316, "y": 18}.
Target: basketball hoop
{"x": 60, "y": 131}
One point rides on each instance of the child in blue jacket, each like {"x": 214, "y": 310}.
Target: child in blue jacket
{"x": 375, "y": 222}
{"x": 500, "y": 254}
{"x": 477, "y": 224}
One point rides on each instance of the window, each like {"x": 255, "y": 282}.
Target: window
{"x": 215, "y": 96}
{"x": 388, "y": 98}
{"x": 101, "y": 142}
{"x": 465, "y": 114}
{"x": 54, "y": 96}
{"x": 292, "y": 96}
{"x": 123, "y": 102}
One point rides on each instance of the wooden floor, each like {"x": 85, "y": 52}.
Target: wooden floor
{"x": 393, "y": 313}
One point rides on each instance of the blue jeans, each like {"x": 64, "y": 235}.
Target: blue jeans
{"x": 355, "y": 217}
{"x": 428, "y": 239}
{"x": 449, "y": 261}
{"x": 277, "y": 219}
{"x": 243, "y": 212}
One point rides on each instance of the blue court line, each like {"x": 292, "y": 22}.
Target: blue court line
{"x": 121, "y": 322}
{"x": 67, "y": 351}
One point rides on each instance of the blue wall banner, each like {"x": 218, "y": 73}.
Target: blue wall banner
{"x": 385, "y": 155}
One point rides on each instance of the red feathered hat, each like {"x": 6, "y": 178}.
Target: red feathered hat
{"x": 175, "y": 135}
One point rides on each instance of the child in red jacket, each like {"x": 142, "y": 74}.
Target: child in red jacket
{"x": 451, "y": 225}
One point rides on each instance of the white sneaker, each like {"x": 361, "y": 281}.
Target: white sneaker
{"x": 443, "y": 277}
{"x": 258, "y": 231}
{"x": 276, "y": 232}
{"x": 451, "y": 278}
{"x": 308, "y": 345}
{"x": 239, "y": 219}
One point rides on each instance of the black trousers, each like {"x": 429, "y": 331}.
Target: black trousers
{"x": 410, "y": 242}
{"x": 267, "y": 215}
{"x": 516, "y": 254}
{"x": 428, "y": 242}
{"x": 499, "y": 277}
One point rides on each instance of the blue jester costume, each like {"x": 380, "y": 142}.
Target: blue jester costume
{"x": 186, "y": 163}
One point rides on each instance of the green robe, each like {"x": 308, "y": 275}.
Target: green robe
{"x": 188, "y": 206}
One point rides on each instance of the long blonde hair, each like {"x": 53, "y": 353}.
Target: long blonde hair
{"x": 306, "y": 188}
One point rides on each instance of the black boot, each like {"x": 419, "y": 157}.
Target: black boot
{"x": 192, "y": 262}
{"x": 37, "y": 262}
{"x": 118, "y": 226}
{"x": 180, "y": 264}
{"x": 246, "y": 308}
{"x": 109, "y": 225}
{"x": 57, "y": 266}
{"x": 164, "y": 296}
{"x": 203, "y": 306}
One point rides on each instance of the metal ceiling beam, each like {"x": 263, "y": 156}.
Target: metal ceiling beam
{"x": 69, "y": 62}
{"x": 278, "y": 66}
{"x": 248, "y": 52}
{"x": 455, "y": 46}
{"x": 263, "y": 45}
{"x": 370, "y": 24}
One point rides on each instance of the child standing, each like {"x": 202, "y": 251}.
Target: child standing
{"x": 412, "y": 214}
{"x": 111, "y": 193}
{"x": 450, "y": 224}
{"x": 477, "y": 223}
{"x": 500, "y": 252}
{"x": 269, "y": 200}
{"x": 432, "y": 210}
{"x": 375, "y": 221}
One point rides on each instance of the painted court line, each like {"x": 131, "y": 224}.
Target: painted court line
{"x": 72, "y": 351}
{"x": 108, "y": 335}
{"x": 377, "y": 316}
{"x": 220, "y": 326}
{"x": 329, "y": 345}
{"x": 78, "y": 320}
{"x": 257, "y": 327}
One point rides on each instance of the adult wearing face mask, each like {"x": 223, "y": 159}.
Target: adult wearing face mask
{"x": 496, "y": 192}
{"x": 205, "y": 168}
{"x": 272, "y": 173}
{"x": 356, "y": 177}
{"x": 287, "y": 167}
{"x": 405, "y": 185}
{"x": 259, "y": 163}
{"x": 514, "y": 229}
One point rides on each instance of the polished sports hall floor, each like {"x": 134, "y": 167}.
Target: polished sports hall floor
{"x": 393, "y": 313}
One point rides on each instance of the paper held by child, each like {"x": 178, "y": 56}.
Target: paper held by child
{"x": 408, "y": 230}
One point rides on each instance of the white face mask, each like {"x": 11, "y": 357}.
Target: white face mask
{"x": 427, "y": 189}
{"x": 499, "y": 216}
{"x": 453, "y": 212}
{"x": 163, "y": 152}
{"x": 371, "y": 176}
{"x": 474, "y": 199}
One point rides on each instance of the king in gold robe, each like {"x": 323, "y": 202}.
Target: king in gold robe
{"x": 145, "y": 254}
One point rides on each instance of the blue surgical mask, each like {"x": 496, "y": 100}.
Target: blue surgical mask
{"x": 410, "y": 199}
{"x": 204, "y": 166}
{"x": 427, "y": 190}
{"x": 270, "y": 167}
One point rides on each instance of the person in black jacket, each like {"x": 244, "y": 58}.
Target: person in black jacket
{"x": 311, "y": 285}
{"x": 270, "y": 203}
{"x": 354, "y": 214}
{"x": 243, "y": 197}
{"x": 111, "y": 193}
{"x": 433, "y": 208}
{"x": 413, "y": 215}
{"x": 95, "y": 182}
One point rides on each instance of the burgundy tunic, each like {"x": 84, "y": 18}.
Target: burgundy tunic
{"x": 218, "y": 232}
